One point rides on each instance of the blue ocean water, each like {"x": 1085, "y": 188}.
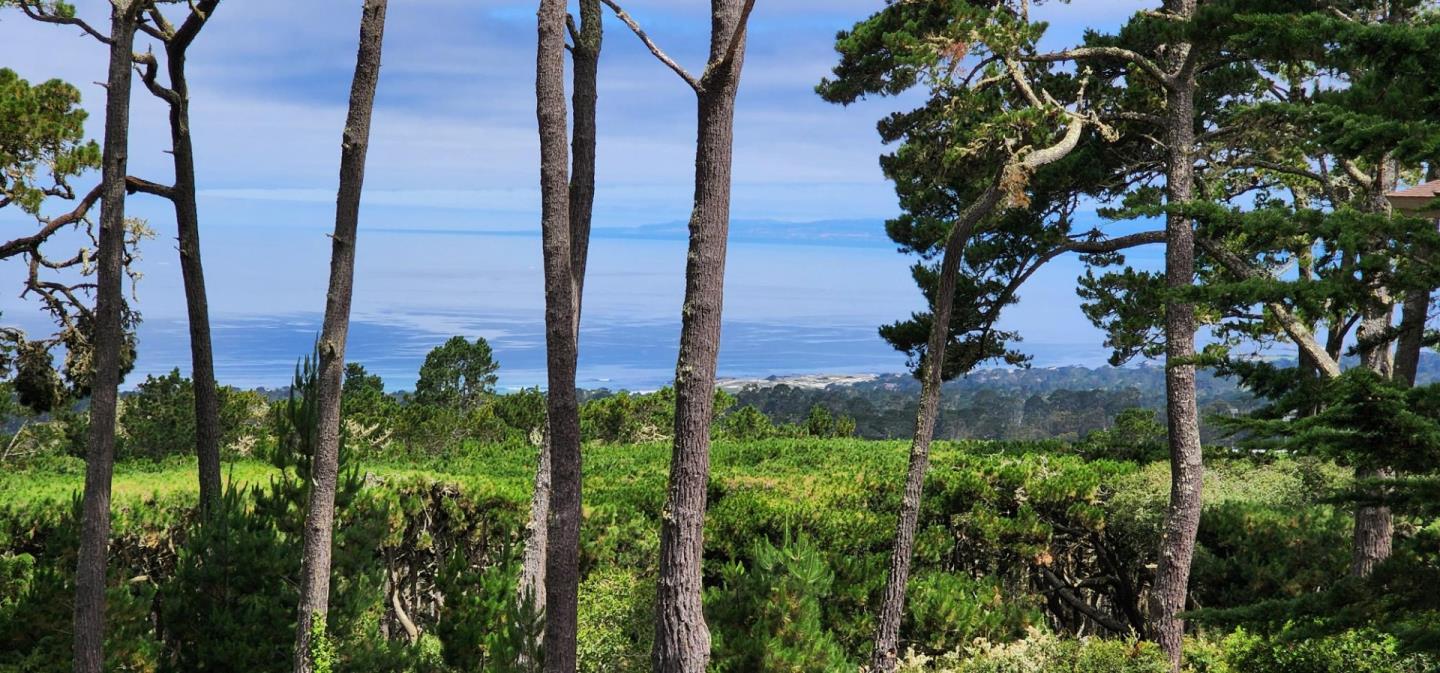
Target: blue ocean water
{"x": 793, "y": 304}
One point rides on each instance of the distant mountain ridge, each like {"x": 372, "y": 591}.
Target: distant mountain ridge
{"x": 858, "y": 232}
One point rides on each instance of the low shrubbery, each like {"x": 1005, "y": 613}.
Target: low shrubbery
{"x": 797, "y": 543}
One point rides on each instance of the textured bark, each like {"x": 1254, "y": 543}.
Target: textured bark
{"x": 531, "y": 583}
{"x": 1374, "y": 529}
{"x": 1374, "y": 524}
{"x": 187, "y": 223}
{"x": 1182, "y": 516}
{"x": 1409, "y": 341}
{"x": 320, "y": 516}
{"x": 892, "y": 606}
{"x": 585, "y": 55}
{"x": 585, "y": 58}
{"x": 562, "y": 563}
{"x": 107, "y": 339}
{"x": 682, "y": 639}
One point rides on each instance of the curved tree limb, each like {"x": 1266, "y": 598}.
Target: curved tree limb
{"x": 1293, "y": 326}
{"x": 1082, "y": 53}
{"x": 654, "y": 48}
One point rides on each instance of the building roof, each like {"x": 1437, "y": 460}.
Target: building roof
{"x": 1415, "y": 198}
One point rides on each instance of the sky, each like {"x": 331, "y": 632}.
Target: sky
{"x": 454, "y": 160}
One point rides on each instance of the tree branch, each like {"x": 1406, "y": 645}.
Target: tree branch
{"x": 148, "y": 77}
{"x": 1081, "y": 53}
{"x": 1062, "y": 590}
{"x": 37, "y": 11}
{"x": 134, "y": 184}
{"x": 654, "y": 48}
{"x": 733, "y": 46}
{"x": 199, "y": 14}
{"x": 32, "y": 243}
{"x": 1293, "y": 327}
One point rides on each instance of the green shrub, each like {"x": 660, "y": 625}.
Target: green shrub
{"x": 616, "y": 618}
{"x": 1348, "y": 652}
{"x": 158, "y": 420}
{"x": 1043, "y": 652}
{"x": 767, "y": 612}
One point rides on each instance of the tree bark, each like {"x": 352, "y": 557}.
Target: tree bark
{"x": 682, "y": 639}
{"x": 562, "y": 562}
{"x": 887, "y": 630}
{"x": 883, "y": 656}
{"x": 585, "y": 55}
{"x": 320, "y": 516}
{"x": 187, "y": 223}
{"x": 1374, "y": 524}
{"x": 89, "y": 648}
{"x": 1410, "y": 340}
{"x": 1182, "y": 516}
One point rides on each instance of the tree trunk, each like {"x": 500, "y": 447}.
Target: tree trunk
{"x": 887, "y": 629}
{"x": 187, "y": 223}
{"x": 1374, "y": 525}
{"x": 107, "y": 341}
{"x": 531, "y": 584}
{"x": 320, "y": 516}
{"x": 562, "y": 563}
{"x": 585, "y": 55}
{"x": 682, "y": 640}
{"x": 1410, "y": 340}
{"x": 1182, "y": 517}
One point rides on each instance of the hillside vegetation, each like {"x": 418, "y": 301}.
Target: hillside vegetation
{"x": 1017, "y": 541}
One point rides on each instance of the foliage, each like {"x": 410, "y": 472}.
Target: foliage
{"x": 42, "y": 140}
{"x": 768, "y": 611}
{"x": 448, "y": 526}
{"x": 1360, "y": 651}
{"x": 1136, "y": 436}
{"x": 617, "y": 611}
{"x": 457, "y": 375}
{"x": 158, "y": 420}
{"x": 1042, "y": 652}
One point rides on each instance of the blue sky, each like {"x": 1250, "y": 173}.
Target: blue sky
{"x": 454, "y": 148}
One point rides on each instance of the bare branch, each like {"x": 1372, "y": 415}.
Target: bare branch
{"x": 134, "y": 184}
{"x": 148, "y": 77}
{"x": 48, "y": 227}
{"x": 654, "y": 48}
{"x": 1356, "y": 174}
{"x": 1063, "y": 591}
{"x": 37, "y": 11}
{"x": 1093, "y": 245}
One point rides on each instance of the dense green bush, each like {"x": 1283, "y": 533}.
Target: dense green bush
{"x": 1043, "y": 652}
{"x": 440, "y": 534}
{"x": 1360, "y": 651}
{"x": 158, "y": 420}
{"x": 767, "y": 612}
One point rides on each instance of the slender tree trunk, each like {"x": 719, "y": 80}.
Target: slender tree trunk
{"x": 187, "y": 221}
{"x": 682, "y": 639}
{"x": 1182, "y": 517}
{"x": 892, "y": 607}
{"x": 562, "y": 563}
{"x": 107, "y": 341}
{"x": 585, "y": 55}
{"x": 320, "y": 516}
